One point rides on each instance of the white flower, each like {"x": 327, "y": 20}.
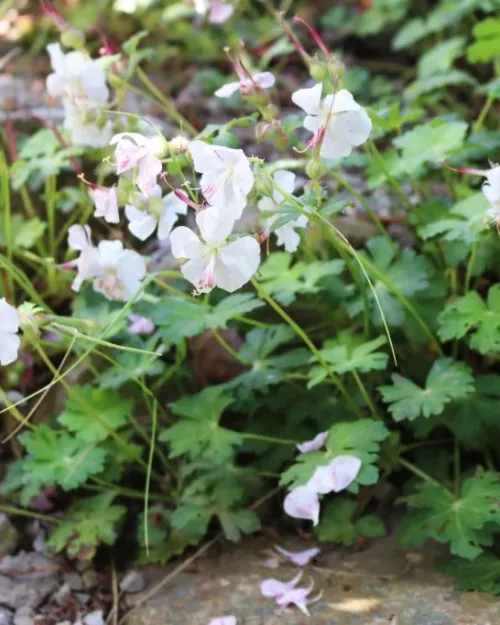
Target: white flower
{"x": 335, "y": 476}
{"x": 106, "y": 203}
{"x": 286, "y": 234}
{"x": 227, "y": 177}
{"x": 87, "y": 264}
{"x": 213, "y": 261}
{"x": 338, "y": 121}
{"x": 316, "y": 443}
{"x": 76, "y": 77}
{"x": 120, "y": 271}
{"x": 115, "y": 272}
{"x": 150, "y": 212}
{"x": 491, "y": 188}
{"x": 10, "y": 320}
{"x": 302, "y": 503}
{"x": 262, "y": 80}
{"x": 218, "y": 10}
{"x": 85, "y": 131}
{"x": 135, "y": 150}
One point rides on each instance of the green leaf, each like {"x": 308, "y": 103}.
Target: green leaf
{"x": 284, "y": 281}
{"x": 87, "y": 524}
{"x": 408, "y": 272}
{"x": 483, "y": 574}
{"x": 471, "y": 314}
{"x": 439, "y": 58}
{"x": 92, "y": 413}
{"x": 192, "y": 519}
{"x": 437, "y": 81}
{"x": 133, "y": 366}
{"x": 58, "y": 458}
{"x": 198, "y": 433}
{"x": 339, "y": 523}
{"x": 447, "y": 380}
{"x": 466, "y": 521}
{"x": 431, "y": 142}
{"x": 465, "y": 223}
{"x": 237, "y": 522}
{"x": 27, "y": 233}
{"x": 360, "y": 438}
{"x": 486, "y": 47}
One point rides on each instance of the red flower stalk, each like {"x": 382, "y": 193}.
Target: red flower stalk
{"x": 54, "y": 16}
{"x": 315, "y": 35}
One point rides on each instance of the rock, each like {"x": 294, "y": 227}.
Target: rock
{"x": 6, "y": 617}
{"x": 82, "y": 597}
{"x": 61, "y": 594}
{"x": 16, "y": 593}
{"x": 74, "y": 581}
{"x": 359, "y": 588}
{"x": 24, "y": 616}
{"x": 133, "y": 582}
{"x": 28, "y": 565}
{"x": 94, "y": 618}
{"x": 9, "y": 536}
{"x": 89, "y": 579}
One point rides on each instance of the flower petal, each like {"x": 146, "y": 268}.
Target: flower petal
{"x": 274, "y": 587}
{"x": 335, "y": 476}
{"x": 285, "y": 180}
{"x": 215, "y": 226}
{"x": 300, "y": 558}
{"x": 302, "y": 503}
{"x": 236, "y": 263}
{"x": 223, "y": 620}
{"x": 10, "y": 318}
{"x": 265, "y": 80}
{"x": 79, "y": 237}
{"x": 219, "y": 11}
{"x": 185, "y": 244}
{"x": 9, "y": 346}
{"x": 149, "y": 168}
{"x": 202, "y": 155}
{"x": 227, "y": 90}
{"x": 106, "y": 204}
{"x": 309, "y": 99}
{"x": 316, "y": 443}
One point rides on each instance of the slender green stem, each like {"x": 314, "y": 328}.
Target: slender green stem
{"x": 412, "y": 446}
{"x": 456, "y": 465}
{"x": 470, "y": 267}
{"x": 390, "y": 178}
{"x": 28, "y": 513}
{"x": 300, "y": 332}
{"x": 269, "y": 439}
{"x": 147, "y": 486}
{"x": 478, "y": 124}
{"x": 50, "y": 207}
{"x": 169, "y": 106}
{"x": 365, "y": 394}
{"x": 7, "y": 222}
{"x": 418, "y": 472}
{"x": 223, "y": 343}
{"x": 366, "y": 205}
{"x": 131, "y": 493}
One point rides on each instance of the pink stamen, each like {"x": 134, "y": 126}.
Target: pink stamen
{"x": 236, "y": 67}
{"x": 107, "y": 48}
{"x": 315, "y": 35}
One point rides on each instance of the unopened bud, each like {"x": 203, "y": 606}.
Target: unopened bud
{"x": 270, "y": 112}
{"x": 263, "y": 186}
{"x": 73, "y": 38}
{"x": 314, "y": 169}
{"x": 115, "y": 81}
{"x": 318, "y": 71}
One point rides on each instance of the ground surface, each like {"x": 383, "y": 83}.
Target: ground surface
{"x": 365, "y": 588}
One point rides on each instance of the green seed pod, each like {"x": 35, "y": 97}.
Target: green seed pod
{"x": 314, "y": 169}
{"x": 319, "y": 71}
{"x": 73, "y": 38}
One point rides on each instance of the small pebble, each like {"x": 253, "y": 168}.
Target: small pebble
{"x": 61, "y": 593}
{"x": 74, "y": 581}
{"x": 94, "y": 618}
{"x": 6, "y": 617}
{"x": 82, "y": 597}
{"x": 24, "y": 616}
{"x": 133, "y": 582}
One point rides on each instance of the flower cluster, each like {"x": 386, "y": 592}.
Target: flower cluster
{"x": 81, "y": 84}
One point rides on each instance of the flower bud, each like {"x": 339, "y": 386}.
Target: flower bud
{"x": 30, "y": 320}
{"x": 115, "y": 81}
{"x": 263, "y": 186}
{"x": 319, "y": 71}
{"x": 73, "y": 38}
{"x": 314, "y": 169}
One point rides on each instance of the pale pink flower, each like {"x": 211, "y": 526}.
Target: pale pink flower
{"x": 10, "y": 320}
{"x": 120, "y": 271}
{"x": 218, "y": 10}
{"x": 212, "y": 260}
{"x": 106, "y": 203}
{"x": 273, "y": 588}
{"x": 227, "y": 177}
{"x": 316, "y": 443}
{"x": 135, "y": 150}
{"x": 246, "y": 85}
{"x": 299, "y": 598}
{"x": 140, "y": 325}
{"x": 339, "y": 122}
{"x": 335, "y": 476}
{"x": 302, "y": 503}
{"x": 87, "y": 264}
{"x": 152, "y": 211}
{"x": 491, "y": 187}
{"x": 223, "y": 620}
{"x": 300, "y": 558}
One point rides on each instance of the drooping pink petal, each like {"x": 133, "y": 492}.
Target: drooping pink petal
{"x": 316, "y": 443}
{"x": 302, "y": 503}
{"x": 275, "y": 588}
{"x": 140, "y": 325}
{"x": 335, "y": 476}
{"x": 300, "y": 558}
{"x": 298, "y": 597}
{"x": 106, "y": 203}
{"x": 149, "y": 169}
